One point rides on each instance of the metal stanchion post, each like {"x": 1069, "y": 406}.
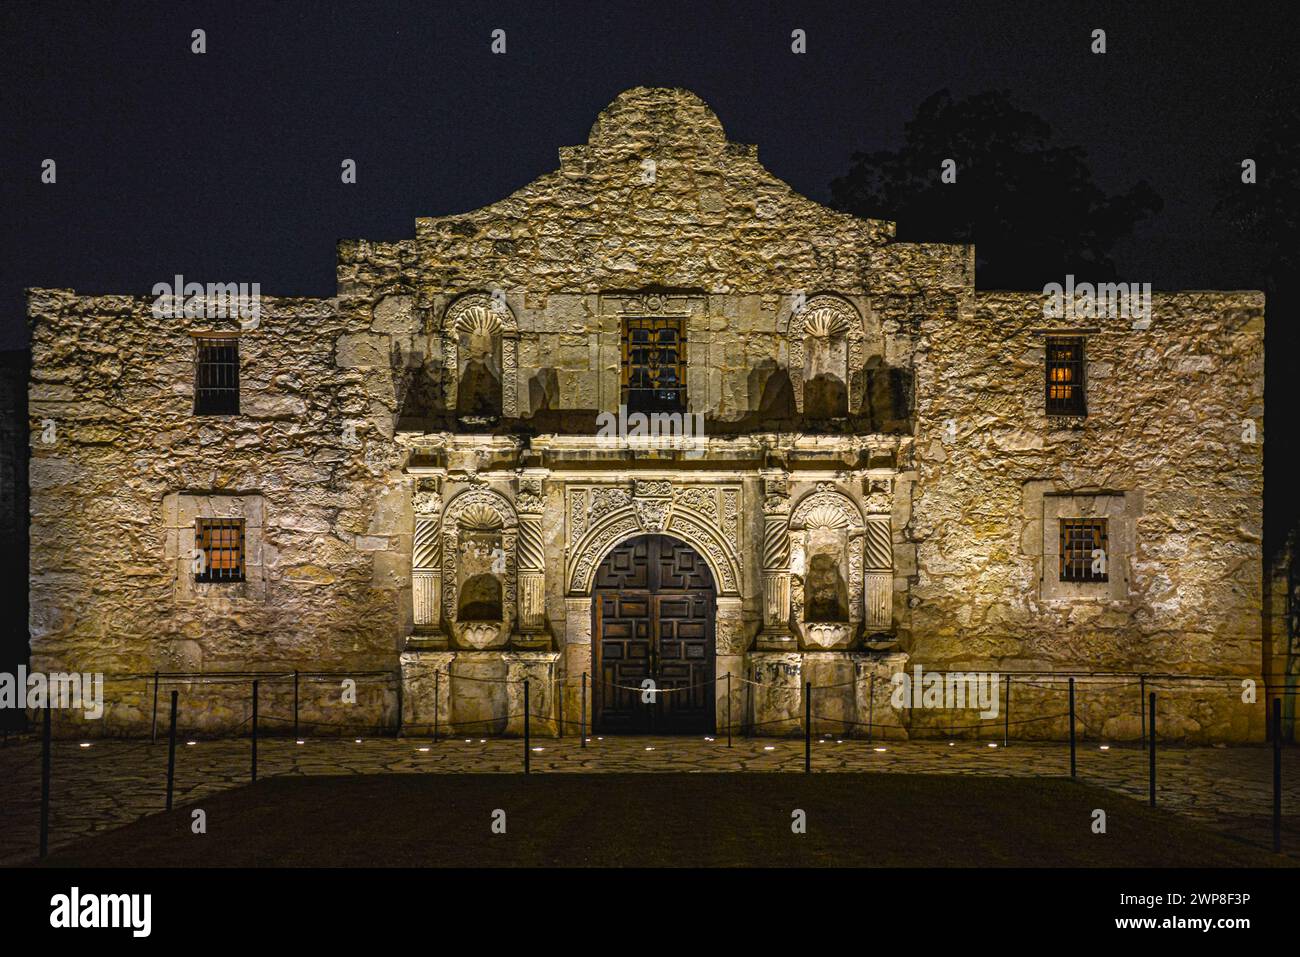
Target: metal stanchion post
{"x": 1073, "y": 767}
{"x": 255, "y": 731}
{"x": 1006, "y": 716}
{"x": 871, "y": 706}
{"x": 807, "y": 727}
{"x": 1151, "y": 751}
{"x": 171, "y": 751}
{"x": 1277, "y": 775}
{"x": 45, "y": 780}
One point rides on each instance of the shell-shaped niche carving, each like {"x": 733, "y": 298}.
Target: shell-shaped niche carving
{"x": 479, "y": 319}
{"x": 480, "y": 518}
{"x": 825, "y": 515}
{"x": 825, "y": 322}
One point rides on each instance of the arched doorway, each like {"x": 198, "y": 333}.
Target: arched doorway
{"x": 653, "y": 618}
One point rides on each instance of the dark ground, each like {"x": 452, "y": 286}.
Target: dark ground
{"x": 655, "y": 820}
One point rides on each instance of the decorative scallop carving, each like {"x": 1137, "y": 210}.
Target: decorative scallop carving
{"x": 825, "y": 515}
{"x": 826, "y": 507}
{"x": 479, "y": 517}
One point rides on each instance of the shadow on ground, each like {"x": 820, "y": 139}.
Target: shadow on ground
{"x": 656, "y": 820}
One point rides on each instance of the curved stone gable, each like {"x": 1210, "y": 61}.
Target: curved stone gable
{"x": 659, "y": 120}
{"x": 658, "y": 196}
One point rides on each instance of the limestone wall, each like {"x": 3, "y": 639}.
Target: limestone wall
{"x": 1165, "y": 426}
{"x": 114, "y": 496}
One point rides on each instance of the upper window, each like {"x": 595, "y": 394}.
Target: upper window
{"x": 219, "y": 548}
{"x": 1083, "y": 550}
{"x": 654, "y": 365}
{"x": 216, "y": 375}
{"x": 1065, "y": 376}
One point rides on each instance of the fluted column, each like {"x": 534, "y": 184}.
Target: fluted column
{"x": 776, "y": 562}
{"x": 879, "y": 592}
{"x": 426, "y": 560}
{"x": 531, "y": 559}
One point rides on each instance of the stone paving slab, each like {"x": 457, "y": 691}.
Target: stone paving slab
{"x": 113, "y": 782}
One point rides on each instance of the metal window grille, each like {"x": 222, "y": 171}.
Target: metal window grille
{"x": 220, "y": 543}
{"x": 216, "y": 375}
{"x": 654, "y": 365}
{"x": 1065, "y": 394}
{"x": 1080, "y": 538}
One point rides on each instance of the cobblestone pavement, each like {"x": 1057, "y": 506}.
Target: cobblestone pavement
{"x": 112, "y": 782}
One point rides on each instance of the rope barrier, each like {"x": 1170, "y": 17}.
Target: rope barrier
{"x": 943, "y": 727}
{"x": 1035, "y": 680}
{"x": 1106, "y": 684}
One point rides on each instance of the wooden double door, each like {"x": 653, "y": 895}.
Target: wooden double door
{"x": 653, "y": 605}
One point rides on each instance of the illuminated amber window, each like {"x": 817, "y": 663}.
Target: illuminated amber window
{"x": 654, "y": 365}
{"x": 219, "y": 543}
{"x": 1065, "y": 376}
{"x": 1084, "y": 556}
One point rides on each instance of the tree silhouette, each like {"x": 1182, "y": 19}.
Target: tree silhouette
{"x": 1030, "y": 207}
{"x": 1265, "y": 216}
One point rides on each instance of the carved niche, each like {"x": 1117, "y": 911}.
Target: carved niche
{"x": 827, "y": 346}
{"x": 827, "y": 544}
{"x": 479, "y": 538}
{"x": 481, "y": 331}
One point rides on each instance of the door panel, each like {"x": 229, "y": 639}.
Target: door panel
{"x": 625, "y": 642}
{"x": 684, "y": 661}
{"x": 653, "y": 607}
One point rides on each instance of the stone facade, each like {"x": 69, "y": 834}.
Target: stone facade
{"x": 424, "y": 491}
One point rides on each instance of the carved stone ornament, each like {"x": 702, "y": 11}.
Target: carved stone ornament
{"x": 705, "y": 516}
{"x": 481, "y": 313}
{"x": 479, "y": 509}
{"x": 827, "y": 317}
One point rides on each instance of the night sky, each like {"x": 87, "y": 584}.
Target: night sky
{"x": 225, "y": 166}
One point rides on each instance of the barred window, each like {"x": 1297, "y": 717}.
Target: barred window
{"x": 216, "y": 375}
{"x": 219, "y": 546}
{"x": 1065, "y": 376}
{"x": 654, "y": 365}
{"x": 1084, "y": 556}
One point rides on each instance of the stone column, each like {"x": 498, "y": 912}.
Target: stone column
{"x": 426, "y": 562}
{"x": 577, "y": 661}
{"x": 531, "y": 559}
{"x": 730, "y": 641}
{"x": 878, "y": 596}
{"x": 776, "y": 634}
